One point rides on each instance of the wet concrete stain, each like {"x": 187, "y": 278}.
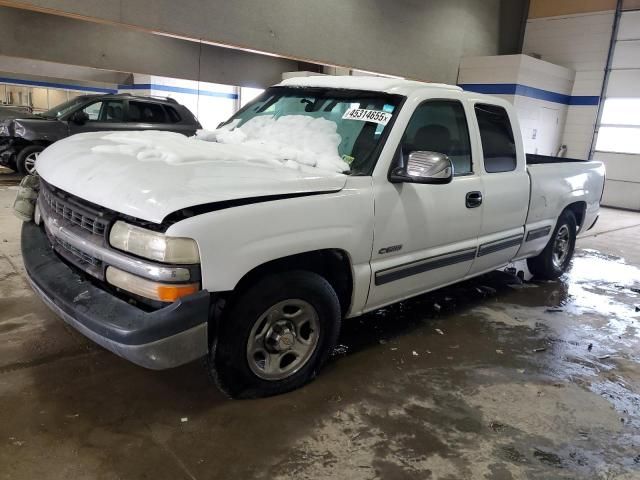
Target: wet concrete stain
{"x": 445, "y": 386}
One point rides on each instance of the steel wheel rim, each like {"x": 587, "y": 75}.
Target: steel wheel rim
{"x": 283, "y": 339}
{"x": 561, "y": 246}
{"x": 30, "y": 162}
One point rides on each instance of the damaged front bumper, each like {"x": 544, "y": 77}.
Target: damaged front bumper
{"x": 160, "y": 339}
{"x": 8, "y": 152}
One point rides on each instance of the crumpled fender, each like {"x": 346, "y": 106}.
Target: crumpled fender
{"x": 35, "y": 130}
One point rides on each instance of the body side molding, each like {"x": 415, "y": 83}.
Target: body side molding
{"x": 424, "y": 265}
{"x": 492, "y": 247}
{"x": 538, "y": 233}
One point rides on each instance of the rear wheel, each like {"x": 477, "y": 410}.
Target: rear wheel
{"x": 276, "y": 335}
{"x": 555, "y": 259}
{"x": 26, "y": 159}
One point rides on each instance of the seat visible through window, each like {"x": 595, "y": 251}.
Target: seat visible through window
{"x": 114, "y": 112}
{"x": 146, "y": 112}
{"x": 433, "y": 138}
{"x": 440, "y": 126}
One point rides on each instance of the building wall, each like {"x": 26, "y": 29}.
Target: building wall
{"x": 555, "y": 8}
{"x": 623, "y": 169}
{"x": 50, "y": 38}
{"x": 42, "y": 93}
{"x": 578, "y": 34}
{"x": 421, "y": 39}
{"x": 579, "y": 42}
{"x": 211, "y": 103}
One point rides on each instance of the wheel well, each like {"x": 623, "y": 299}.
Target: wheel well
{"x": 19, "y": 146}
{"x": 578, "y": 209}
{"x": 332, "y": 264}
{"x": 37, "y": 143}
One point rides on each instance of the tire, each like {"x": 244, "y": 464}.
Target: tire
{"x": 25, "y": 160}
{"x": 257, "y": 355}
{"x": 554, "y": 260}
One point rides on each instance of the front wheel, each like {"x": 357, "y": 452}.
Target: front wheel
{"x": 276, "y": 335}
{"x": 26, "y": 159}
{"x": 555, "y": 259}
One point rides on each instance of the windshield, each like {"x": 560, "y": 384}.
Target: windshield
{"x": 64, "y": 108}
{"x": 347, "y": 124}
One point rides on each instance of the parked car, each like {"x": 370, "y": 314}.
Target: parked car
{"x": 324, "y": 198}
{"x": 23, "y": 136}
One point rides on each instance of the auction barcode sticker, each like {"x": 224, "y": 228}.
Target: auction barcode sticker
{"x": 365, "y": 115}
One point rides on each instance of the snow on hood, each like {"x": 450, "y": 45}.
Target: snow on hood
{"x": 295, "y": 139}
{"x": 150, "y": 174}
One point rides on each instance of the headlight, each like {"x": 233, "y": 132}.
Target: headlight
{"x": 153, "y": 245}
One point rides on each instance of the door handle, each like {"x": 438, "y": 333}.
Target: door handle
{"x": 473, "y": 199}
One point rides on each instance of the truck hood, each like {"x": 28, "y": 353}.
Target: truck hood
{"x": 151, "y": 174}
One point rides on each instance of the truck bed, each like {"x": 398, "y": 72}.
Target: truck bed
{"x": 535, "y": 159}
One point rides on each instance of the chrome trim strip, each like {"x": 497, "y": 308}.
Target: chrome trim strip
{"x": 420, "y": 266}
{"x": 497, "y": 245}
{"x": 87, "y": 244}
{"x": 538, "y": 233}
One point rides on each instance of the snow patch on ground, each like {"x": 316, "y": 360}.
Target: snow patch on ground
{"x": 293, "y": 141}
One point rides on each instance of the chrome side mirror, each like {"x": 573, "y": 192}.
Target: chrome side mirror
{"x": 424, "y": 167}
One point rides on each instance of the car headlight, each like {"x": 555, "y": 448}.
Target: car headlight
{"x": 153, "y": 245}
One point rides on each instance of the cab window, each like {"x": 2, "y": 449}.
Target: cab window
{"x": 440, "y": 126}
{"x": 105, "y": 111}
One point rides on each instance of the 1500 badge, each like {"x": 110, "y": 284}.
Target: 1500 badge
{"x": 392, "y": 248}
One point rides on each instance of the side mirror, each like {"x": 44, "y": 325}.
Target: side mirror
{"x": 79, "y": 117}
{"x": 424, "y": 167}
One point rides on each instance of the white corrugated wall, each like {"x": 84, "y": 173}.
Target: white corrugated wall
{"x": 580, "y": 42}
{"x": 623, "y": 167}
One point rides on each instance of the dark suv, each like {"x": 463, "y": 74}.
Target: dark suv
{"x": 24, "y": 136}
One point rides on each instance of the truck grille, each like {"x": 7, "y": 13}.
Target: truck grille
{"x": 72, "y": 209}
{"x": 79, "y": 255}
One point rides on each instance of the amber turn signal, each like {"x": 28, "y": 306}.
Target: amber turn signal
{"x": 163, "y": 292}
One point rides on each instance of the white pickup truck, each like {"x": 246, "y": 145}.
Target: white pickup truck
{"x": 324, "y": 198}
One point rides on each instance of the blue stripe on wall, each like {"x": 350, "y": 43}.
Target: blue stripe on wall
{"x": 531, "y": 92}
{"x": 584, "y": 100}
{"x": 69, "y": 86}
{"x": 169, "y": 88}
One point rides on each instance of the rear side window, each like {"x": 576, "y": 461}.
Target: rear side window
{"x": 146, "y": 112}
{"x": 173, "y": 115}
{"x": 498, "y": 146}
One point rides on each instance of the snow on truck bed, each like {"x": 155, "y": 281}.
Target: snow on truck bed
{"x": 292, "y": 141}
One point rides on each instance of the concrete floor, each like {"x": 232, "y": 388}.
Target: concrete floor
{"x": 446, "y": 386}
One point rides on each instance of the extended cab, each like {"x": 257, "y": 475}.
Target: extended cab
{"x": 324, "y": 198}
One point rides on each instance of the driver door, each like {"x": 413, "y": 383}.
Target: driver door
{"x": 425, "y": 236}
